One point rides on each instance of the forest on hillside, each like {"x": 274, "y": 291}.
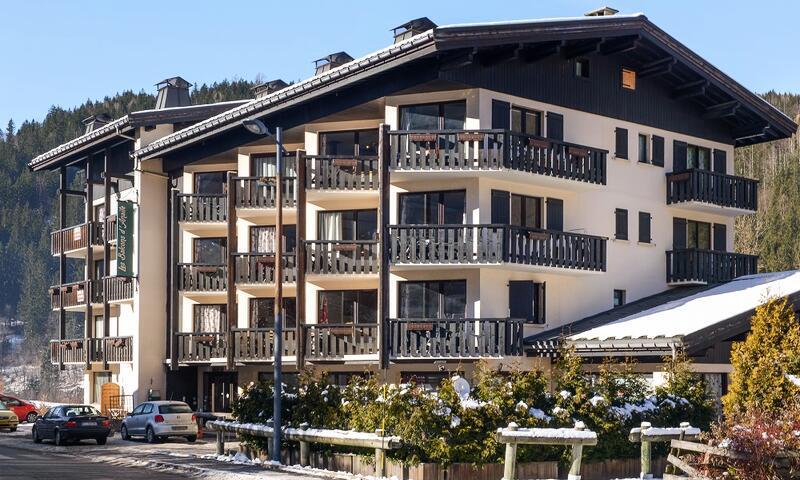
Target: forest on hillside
{"x": 27, "y": 210}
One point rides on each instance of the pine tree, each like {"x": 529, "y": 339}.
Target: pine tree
{"x": 762, "y": 362}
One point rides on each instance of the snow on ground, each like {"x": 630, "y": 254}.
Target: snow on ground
{"x": 24, "y": 379}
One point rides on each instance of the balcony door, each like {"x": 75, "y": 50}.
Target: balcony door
{"x": 263, "y": 165}
{"x": 434, "y": 116}
{"x": 346, "y": 307}
{"x": 433, "y": 299}
{"x": 526, "y": 300}
{"x": 262, "y": 312}
{"x": 516, "y": 210}
{"x": 433, "y": 208}
{"x": 262, "y": 239}
{"x": 210, "y": 183}
{"x": 348, "y": 225}
{"x": 349, "y": 143}
{"x": 210, "y": 251}
{"x": 209, "y": 318}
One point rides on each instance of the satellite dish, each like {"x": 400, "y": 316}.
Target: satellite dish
{"x": 461, "y": 387}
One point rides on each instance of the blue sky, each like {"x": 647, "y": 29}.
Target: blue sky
{"x": 62, "y": 53}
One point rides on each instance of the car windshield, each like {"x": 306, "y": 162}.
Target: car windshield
{"x": 175, "y": 408}
{"x": 3, "y": 406}
{"x": 80, "y": 410}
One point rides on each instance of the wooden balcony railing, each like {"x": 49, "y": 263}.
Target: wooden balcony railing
{"x": 692, "y": 265}
{"x": 260, "y": 192}
{"x": 108, "y": 349}
{"x": 454, "y": 338}
{"x": 715, "y": 188}
{"x": 75, "y": 238}
{"x": 201, "y": 347}
{"x": 204, "y": 208}
{"x": 342, "y": 256}
{"x": 258, "y": 344}
{"x": 341, "y": 173}
{"x": 195, "y": 277}
{"x": 464, "y": 244}
{"x": 259, "y": 268}
{"x": 495, "y": 150}
{"x": 110, "y": 228}
{"x": 75, "y": 294}
{"x": 116, "y": 289}
{"x": 335, "y": 342}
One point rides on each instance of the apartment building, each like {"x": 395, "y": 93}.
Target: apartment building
{"x": 470, "y": 192}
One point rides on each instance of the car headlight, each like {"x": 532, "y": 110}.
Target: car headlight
{"x": 14, "y": 418}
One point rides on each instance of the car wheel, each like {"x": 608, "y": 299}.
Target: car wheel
{"x": 150, "y": 435}
{"x": 13, "y": 429}
{"x": 191, "y": 438}
{"x": 101, "y": 440}
{"x": 58, "y": 439}
{"x": 35, "y": 435}
{"x": 123, "y": 433}
{"x": 31, "y": 417}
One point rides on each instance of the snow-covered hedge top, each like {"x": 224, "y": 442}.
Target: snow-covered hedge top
{"x": 308, "y": 434}
{"x": 561, "y": 433}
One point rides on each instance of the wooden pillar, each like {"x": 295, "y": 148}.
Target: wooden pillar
{"x": 300, "y": 249}
{"x": 647, "y": 471}
{"x": 230, "y": 278}
{"x": 173, "y": 238}
{"x": 575, "y": 459}
{"x": 384, "y": 154}
{"x": 106, "y": 251}
{"x": 510, "y": 462}
{"x": 380, "y": 457}
{"x": 62, "y": 259}
{"x": 89, "y": 317}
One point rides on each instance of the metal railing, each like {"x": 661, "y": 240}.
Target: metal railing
{"x": 342, "y": 256}
{"x": 692, "y": 265}
{"x": 720, "y": 189}
{"x": 341, "y": 173}
{"x": 454, "y": 337}
{"x": 337, "y": 341}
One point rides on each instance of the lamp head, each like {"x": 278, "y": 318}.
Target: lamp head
{"x": 256, "y": 127}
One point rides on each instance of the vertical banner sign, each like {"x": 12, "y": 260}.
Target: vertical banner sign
{"x": 125, "y": 239}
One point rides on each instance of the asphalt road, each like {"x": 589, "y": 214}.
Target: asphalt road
{"x": 19, "y": 464}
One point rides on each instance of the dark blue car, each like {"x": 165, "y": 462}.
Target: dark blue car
{"x": 64, "y": 423}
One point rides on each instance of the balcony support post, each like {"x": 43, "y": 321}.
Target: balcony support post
{"x": 230, "y": 290}
{"x": 300, "y": 256}
{"x": 62, "y": 259}
{"x": 172, "y": 283}
{"x": 106, "y": 252}
{"x": 278, "y": 357}
{"x": 87, "y": 292}
{"x": 384, "y": 159}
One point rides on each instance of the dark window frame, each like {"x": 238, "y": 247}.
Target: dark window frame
{"x": 322, "y": 148}
{"x": 648, "y": 149}
{"x": 645, "y": 219}
{"x": 582, "y": 68}
{"x": 196, "y": 181}
{"x": 441, "y": 105}
{"x": 619, "y": 234}
{"x": 355, "y": 211}
{"x": 356, "y": 306}
{"x": 509, "y": 208}
{"x": 223, "y": 319}
{"x": 696, "y": 239}
{"x": 440, "y": 204}
{"x": 252, "y": 321}
{"x": 195, "y": 242}
{"x": 697, "y": 148}
{"x": 440, "y": 296}
{"x": 287, "y": 239}
{"x": 620, "y": 294}
{"x": 289, "y": 164}
{"x": 523, "y": 111}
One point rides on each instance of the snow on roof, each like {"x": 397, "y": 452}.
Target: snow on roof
{"x": 682, "y": 317}
{"x": 503, "y": 23}
{"x": 83, "y": 139}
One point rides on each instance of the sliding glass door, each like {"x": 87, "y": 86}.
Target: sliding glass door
{"x": 433, "y": 299}
{"x": 433, "y": 208}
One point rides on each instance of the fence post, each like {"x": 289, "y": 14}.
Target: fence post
{"x": 510, "y": 466}
{"x": 304, "y": 451}
{"x": 220, "y": 442}
{"x": 577, "y": 453}
{"x": 270, "y": 424}
{"x": 647, "y": 471}
{"x": 380, "y": 456}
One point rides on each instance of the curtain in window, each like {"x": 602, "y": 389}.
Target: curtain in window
{"x": 208, "y": 318}
{"x": 265, "y": 166}
{"x": 331, "y": 225}
{"x": 262, "y": 240}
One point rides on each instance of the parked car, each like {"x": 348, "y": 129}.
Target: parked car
{"x": 8, "y": 419}
{"x": 160, "y": 419}
{"x": 63, "y": 423}
{"x": 26, "y": 411}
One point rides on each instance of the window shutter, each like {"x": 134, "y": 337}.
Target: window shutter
{"x": 522, "y": 300}
{"x": 678, "y": 233}
{"x": 501, "y": 207}
{"x": 501, "y": 114}
{"x": 678, "y": 156}
{"x": 555, "y": 126}
{"x": 720, "y": 237}
{"x": 720, "y": 161}
{"x": 621, "y": 228}
{"x": 658, "y": 150}
{"x": 621, "y": 150}
{"x": 555, "y": 214}
{"x": 644, "y": 227}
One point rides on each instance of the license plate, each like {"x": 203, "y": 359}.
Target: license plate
{"x": 89, "y": 424}
{"x": 180, "y": 428}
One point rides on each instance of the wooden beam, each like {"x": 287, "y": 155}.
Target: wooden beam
{"x": 497, "y": 56}
{"x": 726, "y": 109}
{"x": 464, "y": 59}
{"x": 583, "y": 48}
{"x": 62, "y": 258}
{"x": 384, "y": 156}
{"x": 300, "y": 255}
{"x": 230, "y": 291}
{"x": 690, "y": 89}
{"x": 657, "y": 67}
{"x": 87, "y": 294}
{"x": 72, "y": 193}
{"x": 173, "y": 237}
{"x": 620, "y": 45}
{"x": 106, "y": 253}
{"x": 539, "y": 51}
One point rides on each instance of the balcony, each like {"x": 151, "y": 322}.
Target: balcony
{"x": 701, "y": 267}
{"x": 712, "y": 192}
{"x": 201, "y": 347}
{"x": 328, "y": 342}
{"x": 74, "y": 295}
{"x": 115, "y": 289}
{"x": 106, "y": 349}
{"x": 75, "y": 240}
{"x": 260, "y": 192}
{"x": 342, "y": 257}
{"x": 496, "y": 150}
{"x": 457, "y": 338}
{"x": 259, "y": 268}
{"x": 495, "y": 244}
{"x": 195, "y": 277}
{"x": 205, "y": 208}
{"x": 258, "y": 344}
{"x": 342, "y": 173}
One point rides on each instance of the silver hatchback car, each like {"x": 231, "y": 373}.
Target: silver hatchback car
{"x": 158, "y": 420}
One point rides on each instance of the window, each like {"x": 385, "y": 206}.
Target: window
{"x": 98, "y": 380}
{"x": 621, "y": 230}
{"x": 210, "y": 251}
{"x": 347, "y": 225}
{"x": 148, "y": 408}
{"x": 698, "y": 235}
{"x": 262, "y": 312}
{"x": 644, "y": 154}
{"x": 347, "y": 306}
{"x": 518, "y": 210}
{"x": 621, "y": 140}
{"x": 262, "y": 239}
{"x": 434, "y": 116}
{"x": 99, "y": 212}
{"x": 582, "y": 68}
{"x": 209, "y": 318}
{"x": 658, "y": 150}
{"x": 526, "y": 300}
{"x": 174, "y": 408}
{"x": 433, "y": 208}
{"x": 526, "y": 121}
{"x": 644, "y": 227}
{"x": 433, "y": 299}
{"x": 350, "y": 143}
{"x": 263, "y": 165}
{"x": 698, "y": 157}
{"x": 619, "y": 298}
{"x": 628, "y": 79}
{"x": 210, "y": 183}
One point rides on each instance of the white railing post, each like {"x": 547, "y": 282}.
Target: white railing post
{"x": 577, "y": 453}
{"x": 647, "y": 471}
{"x": 304, "y": 450}
{"x": 270, "y": 448}
{"x": 380, "y": 457}
{"x": 510, "y": 466}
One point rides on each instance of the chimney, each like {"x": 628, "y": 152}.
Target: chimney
{"x": 411, "y": 28}
{"x": 96, "y": 121}
{"x": 331, "y": 61}
{"x": 601, "y": 12}
{"x": 264, "y": 89}
{"x": 173, "y": 92}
